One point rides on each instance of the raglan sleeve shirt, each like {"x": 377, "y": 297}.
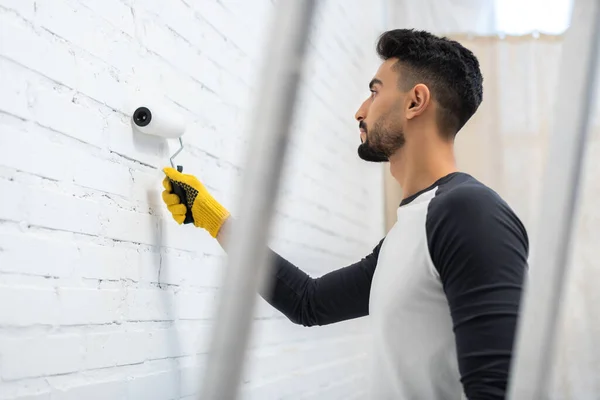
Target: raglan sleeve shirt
{"x": 479, "y": 248}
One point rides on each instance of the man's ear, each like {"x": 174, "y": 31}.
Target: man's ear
{"x": 417, "y": 100}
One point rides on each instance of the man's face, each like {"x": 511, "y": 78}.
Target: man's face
{"x": 381, "y": 119}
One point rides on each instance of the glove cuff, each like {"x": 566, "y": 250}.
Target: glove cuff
{"x": 211, "y": 216}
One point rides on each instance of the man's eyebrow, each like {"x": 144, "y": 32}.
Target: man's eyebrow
{"x": 374, "y": 82}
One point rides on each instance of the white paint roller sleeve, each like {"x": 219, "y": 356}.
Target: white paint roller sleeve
{"x": 158, "y": 121}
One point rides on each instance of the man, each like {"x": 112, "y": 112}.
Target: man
{"x": 443, "y": 288}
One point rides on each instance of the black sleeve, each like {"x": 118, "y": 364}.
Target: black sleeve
{"x": 337, "y": 296}
{"x": 480, "y": 250}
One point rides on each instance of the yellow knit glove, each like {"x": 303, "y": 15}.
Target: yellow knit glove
{"x": 200, "y": 207}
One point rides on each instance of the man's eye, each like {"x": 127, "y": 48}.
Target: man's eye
{"x": 373, "y": 93}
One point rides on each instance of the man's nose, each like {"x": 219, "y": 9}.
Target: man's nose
{"x": 361, "y": 113}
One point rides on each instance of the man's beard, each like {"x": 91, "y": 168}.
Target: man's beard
{"x": 368, "y": 153}
{"x": 384, "y": 142}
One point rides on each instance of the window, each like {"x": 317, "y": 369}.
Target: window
{"x": 518, "y": 17}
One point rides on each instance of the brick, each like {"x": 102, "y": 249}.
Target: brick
{"x": 146, "y": 186}
{"x": 28, "y": 306}
{"x": 114, "y": 12}
{"x": 46, "y": 54}
{"x": 115, "y": 348}
{"x": 45, "y": 102}
{"x": 78, "y": 25}
{"x": 47, "y": 208}
{"x": 89, "y": 306}
{"x": 131, "y": 226}
{"x": 189, "y": 24}
{"x": 35, "y": 389}
{"x": 197, "y": 305}
{"x": 311, "y": 378}
{"x": 179, "y": 269}
{"x": 220, "y": 18}
{"x": 196, "y": 271}
{"x": 26, "y": 148}
{"x": 15, "y": 99}
{"x": 157, "y": 386}
{"x": 149, "y": 305}
{"x": 107, "y": 262}
{"x": 59, "y": 61}
{"x": 24, "y": 8}
{"x": 18, "y": 255}
{"x": 352, "y": 387}
{"x": 166, "y": 343}
{"x": 290, "y": 357}
{"x": 180, "y": 54}
{"x": 114, "y": 389}
{"x": 148, "y": 265}
{"x": 40, "y": 396}
{"x": 39, "y": 356}
{"x": 50, "y": 103}
{"x": 194, "y": 337}
{"x": 186, "y": 237}
{"x": 79, "y": 214}
{"x": 162, "y": 344}
{"x": 42, "y": 152}
{"x": 115, "y": 262}
{"x": 190, "y": 381}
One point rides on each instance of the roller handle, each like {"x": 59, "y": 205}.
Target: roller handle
{"x": 180, "y": 192}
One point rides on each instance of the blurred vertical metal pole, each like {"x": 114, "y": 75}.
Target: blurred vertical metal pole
{"x": 275, "y": 96}
{"x": 543, "y": 298}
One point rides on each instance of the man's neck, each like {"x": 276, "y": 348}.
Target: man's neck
{"x": 422, "y": 169}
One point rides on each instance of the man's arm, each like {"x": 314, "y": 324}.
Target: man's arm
{"x": 337, "y": 296}
{"x": 480, "y": 249}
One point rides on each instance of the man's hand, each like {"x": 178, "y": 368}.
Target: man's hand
{"x": 206, "y": 211}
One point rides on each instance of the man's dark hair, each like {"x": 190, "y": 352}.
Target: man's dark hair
{"x": 450, "y": 71}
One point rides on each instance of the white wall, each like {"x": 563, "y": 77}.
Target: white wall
{"x": 445, "y": 17}
{"x": 102, "y": 295}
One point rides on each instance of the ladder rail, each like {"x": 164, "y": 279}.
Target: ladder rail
{"x": 247, "y": 262}
{"x": 544, "y": 291}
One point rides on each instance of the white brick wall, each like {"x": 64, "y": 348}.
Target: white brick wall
{"x": 102, "y": 295}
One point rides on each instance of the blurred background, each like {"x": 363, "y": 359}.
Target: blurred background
{"x": 104, "y": 296}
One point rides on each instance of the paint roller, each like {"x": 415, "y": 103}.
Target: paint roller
{"x": 158, "y": 120}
